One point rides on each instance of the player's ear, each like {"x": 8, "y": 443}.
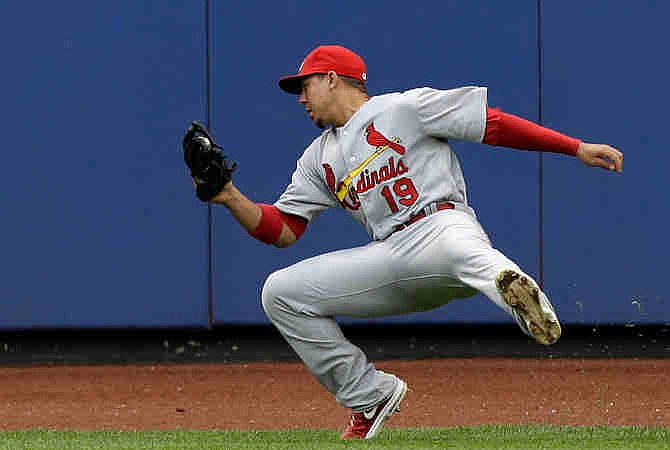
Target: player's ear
{"x": 332, "y": 79}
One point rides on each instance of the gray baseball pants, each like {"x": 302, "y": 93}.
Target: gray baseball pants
{"x": 442, "y": 257}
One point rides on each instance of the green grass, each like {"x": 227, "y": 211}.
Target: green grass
{"x": 486, "y": 437}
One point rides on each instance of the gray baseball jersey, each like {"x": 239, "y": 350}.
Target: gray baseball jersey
{"x": 395, "y": 150}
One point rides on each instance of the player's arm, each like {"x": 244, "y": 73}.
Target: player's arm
{"x": 507, "y": 130}
{"x": 264, "y": 222}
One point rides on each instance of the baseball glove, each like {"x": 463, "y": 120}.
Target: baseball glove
{"x": 210, "y": 169}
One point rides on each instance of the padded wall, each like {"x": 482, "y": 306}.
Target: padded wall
{"x": 606, "y": 235}
{"x": 99, "y": 226}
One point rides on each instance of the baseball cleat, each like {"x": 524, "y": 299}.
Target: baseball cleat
{"x": 366, "y": 424}
{"x": 530, "y": 307}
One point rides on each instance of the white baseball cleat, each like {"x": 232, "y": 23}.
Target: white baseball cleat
{"x": 530, "y": 307}
{"x": 366, "y": 424}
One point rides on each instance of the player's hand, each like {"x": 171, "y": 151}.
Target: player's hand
{"x": 600, "y": 155}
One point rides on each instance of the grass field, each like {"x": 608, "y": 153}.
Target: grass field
{"x": 486, "y": 437}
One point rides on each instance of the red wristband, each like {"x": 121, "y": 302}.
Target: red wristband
{"x": 269, "y": 228}
{"x": 507, "y": 130}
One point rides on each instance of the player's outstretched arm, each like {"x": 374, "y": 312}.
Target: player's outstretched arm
{"x": 508, "y": 130}
{"x": 600, "y": 155}
{"x": 256, "y": 219}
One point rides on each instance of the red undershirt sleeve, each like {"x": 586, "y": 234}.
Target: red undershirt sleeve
{"x": 272, "y": 222}
{"x": 507, "y": 130}
{"x": 297, "y": 224}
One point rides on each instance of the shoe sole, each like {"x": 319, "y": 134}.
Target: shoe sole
{"x": 525, "y": 298}
{"x": 392, "y": 406}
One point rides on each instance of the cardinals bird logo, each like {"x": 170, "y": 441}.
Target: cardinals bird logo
{"x": 376, "y": 139}
{"x": 381, "y": 142}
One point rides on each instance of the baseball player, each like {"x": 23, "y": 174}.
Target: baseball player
{"x": 387, "y": 160}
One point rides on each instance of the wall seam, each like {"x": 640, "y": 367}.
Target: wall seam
{"x": 540, "y": 166}
{"x": 210, "y": 225}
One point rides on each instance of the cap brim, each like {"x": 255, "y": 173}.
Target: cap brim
{"x": 292, "y": 84}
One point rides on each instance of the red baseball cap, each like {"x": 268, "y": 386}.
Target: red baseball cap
{"x": 323, "y": 59}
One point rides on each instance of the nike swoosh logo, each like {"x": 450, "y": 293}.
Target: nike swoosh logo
{"x": 370, "y": 413}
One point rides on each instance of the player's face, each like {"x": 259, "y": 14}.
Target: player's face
{"x": 316, "y": 99}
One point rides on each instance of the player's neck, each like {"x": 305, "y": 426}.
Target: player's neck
{"x": 347, "y": 106}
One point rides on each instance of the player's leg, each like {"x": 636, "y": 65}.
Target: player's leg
{"x": 302, "y": 301}
{"x": 454, "y": 244}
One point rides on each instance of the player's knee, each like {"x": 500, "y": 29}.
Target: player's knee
{"x": 273, "y": 294}
{"x": 268, "y": 296}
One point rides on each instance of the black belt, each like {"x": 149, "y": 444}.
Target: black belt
{"x": 427, "y": 211}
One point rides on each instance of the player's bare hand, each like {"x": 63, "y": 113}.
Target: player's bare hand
{"x": 601, "y": 155}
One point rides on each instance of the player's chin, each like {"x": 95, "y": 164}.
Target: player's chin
{"x": 319, "y": 122}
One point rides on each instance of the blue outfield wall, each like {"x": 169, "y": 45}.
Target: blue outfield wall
{"x": 100, "y": 225}
{"x": 606, "y": 236}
